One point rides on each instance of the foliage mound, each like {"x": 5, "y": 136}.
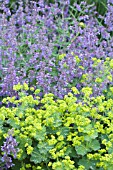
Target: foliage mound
{"x": 62, "y": 116}
{"x": 60, "y": 133}
{"x": 51, "y": 46}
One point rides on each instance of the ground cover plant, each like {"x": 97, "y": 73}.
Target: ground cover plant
{"x": 60, "y": 133}
{"x": 62, "y": 117}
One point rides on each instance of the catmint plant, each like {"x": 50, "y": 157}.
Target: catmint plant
{"x": 9, "y": 150}
{"x": 34, "y": 38}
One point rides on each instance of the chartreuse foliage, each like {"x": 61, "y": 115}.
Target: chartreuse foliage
{"x": 60, "y": 134}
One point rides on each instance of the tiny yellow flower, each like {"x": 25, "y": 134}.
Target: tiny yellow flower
{"x": 28, "y": 166}
{"x": 67, "y": 157}
{"x": 26, "y": 144}
{"x": 23, "y": 168}
{"x": 38, "y": 167}
{"x": 107, "y": 58}
{"x": 75, "y": 90}
{"x": 82, "y": 25}
{"x": 65, "y": 65}
{"x": 98, "y": 80}
{"x": 17, "y": 87}
{"x": 98, "y": 61}
{"x": 60, "y": 57}
{"x": 72, "y": 53}
{"x": 50, "y": 164}
{"x": 111, "y": 63}
{"x": 60, "y": 138}
{"x": 77, "y": 59}
{"x": 25, "y": 87}
{"x": 94, "y": 59}
{"x": 5, "y": 135}
{"x": 109, "y": 77}
{"x": 81, "y": 167}
{"x": 19, "y": 153}
{"x": 32, "y": 88}
{"x": 58, "y": 133}
{"x": 29, "y": 150}
{"x": 81, "y": 67}
{"x": 37, "y": 91}
{"x": 111, "y": 89}
{"x": 20, "y": 115}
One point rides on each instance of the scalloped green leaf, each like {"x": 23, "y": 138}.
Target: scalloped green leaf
{"x": 37, "y": 157}
{"x": 40, "y": 135}
{"x": 81, "y": 150}
{"x": 95, "y": 145}
{"x": 88, "y": 164}
{"x": 44, "y": 147}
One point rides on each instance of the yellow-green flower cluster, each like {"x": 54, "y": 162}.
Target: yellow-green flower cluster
{"x": 55, "y": 133}
{"x": 61, "y": 56}
{"x": 65, "y": 164}
{"x": 87, "y": 91}
{"x": 82, "y": 25}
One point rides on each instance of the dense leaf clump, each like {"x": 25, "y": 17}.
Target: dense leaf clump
{"x": 60, "y": 133}
{"x": 56, "y": 82}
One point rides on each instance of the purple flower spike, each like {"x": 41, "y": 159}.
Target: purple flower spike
{"x": 9, "y": 149}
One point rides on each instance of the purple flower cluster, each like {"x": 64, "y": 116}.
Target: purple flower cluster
{"x": 33, "y": 38}
{"x": 9, "y": 150}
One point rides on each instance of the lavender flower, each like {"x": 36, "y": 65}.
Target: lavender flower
{"x": 34, "y": 37}
{"x": 9, "y": 150}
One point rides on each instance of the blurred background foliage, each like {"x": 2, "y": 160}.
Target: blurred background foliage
{"x": 101, "y": 5}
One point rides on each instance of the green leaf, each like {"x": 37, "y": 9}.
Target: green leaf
{"x": 40, "y": 135}
{"x": 70, "y": 151}
{"x": 1, "y": 123}
{"x": 88, "y": 164}
{"x": 17, "y": 164}
{"x": 36, "y": 157}
{"x": 110, "y": 150}
{"x": 44, "y": 147}
{"x": 73, "y": 154}
{"x": 23, "y": 141}
{"x": 104, "y": 136}
{"x": 92, "y": 136}
{"x": 54, "y": 73}
{"x": 95, "y": 145}
{"x": 110, "y": 167}
{"x": 57, "y": 122}
{"x": 49, "y": 130}
{"x": 87, "y": 128}
{"x": 64, "y": 131}
{"x": 81, "y": 150}
{"x": 23, "y": 155}
{"x": 57, "y": 119}
{"x": 13, "y": 123}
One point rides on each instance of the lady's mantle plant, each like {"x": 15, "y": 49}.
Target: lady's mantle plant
{"x": 60, "y": 133}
